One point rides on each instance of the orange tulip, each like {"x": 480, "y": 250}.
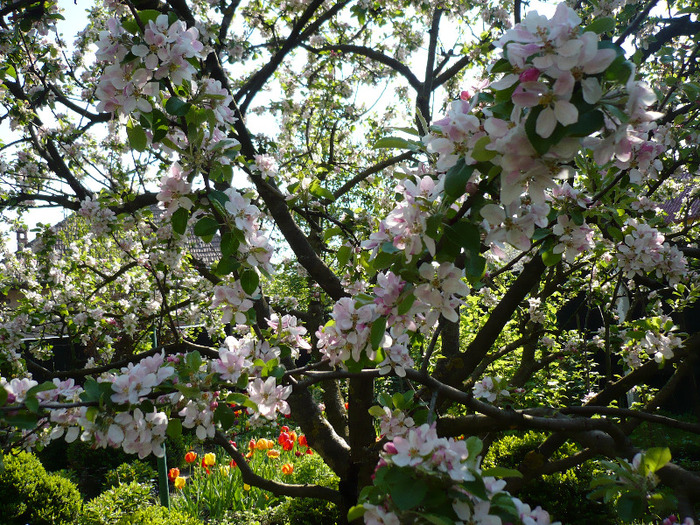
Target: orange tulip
{"x": 272, "y": 453}
{"x": 287, "y": 469}
{"x": 173, "y": 474}
{"x": 191, "y": 457}
{"x": 302, "y": 441}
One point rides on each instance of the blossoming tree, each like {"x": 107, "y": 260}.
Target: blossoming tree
{"x": 390, "y": 279}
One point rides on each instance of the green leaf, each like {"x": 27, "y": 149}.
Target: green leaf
{"x": 474, "y": 446}
{"x": 549, "y": 258}
{"x": 477, "y": 487}
{"x": 502, "y": 472}
{"x": 32, "y": 403}
{"x": 406, "y": 492}
{"x": 343, "y": 255}
{"x": 393, "y": 142}
{"x": 206, "y": 227}
{"x": 137, "y": 137}
{"x": 316, "y": 189}
{"x": 501, "y": 66}
{"x": 229, "y": 244}
{"x": 456, "y": 179}
{"x": 22, "y": 420}
{"x": 174, "y": 429}
{"x": 406, "y": 304}
{"x": 226, "y": 265}
{"x": 177, "y": 107}
{"x": 193, "y": 360}
{"x": 179, "y": 220}
{"x": 145, "y": 16}
{"x": 3, "y": 397}
{"x": 433, "y": 518}
{"x": 620, "y": 70}
{"x": 43, "y": 387}
{"x": 465, "y": 234}
{"x": 224, "y": 415}
{"x": 656, "y": 458}
{"x": 249, "y": 281}
{"x": 377, "y": 333}
{"x": 588, "y": 123}
{"x": 383, "y": 260}
{"x": 630, "y": 506}
{"x": 356, "y": 512}
{"x": 376, "y": 411}
{"x": 601, "y": 25}
{"x": 91, "y": 390}
{"x": 479, "y": 153}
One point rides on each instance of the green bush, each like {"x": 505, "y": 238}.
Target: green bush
{"x": 125, "y": 473}
{"x": 563, "y": 494}
{"x": 292, "y": 511}
{"x": 155, "y": 515}
{"x": 311, "y": 469}
{"x": 57, "y": 500}
{"x": 31, "y": 495}
{"x": 118, "y": 503}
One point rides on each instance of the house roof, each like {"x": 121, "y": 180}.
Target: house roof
{"x": 206, "y": 252}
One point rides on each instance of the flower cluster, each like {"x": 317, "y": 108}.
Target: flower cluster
{"x": 449, "y": 464}
{"x": 644, "y": 250}
{"x": 164, "y": 50}
{"x": 406, "y": 225}
{"x": 490, "y": 388}
{"x": 174, "y": 190}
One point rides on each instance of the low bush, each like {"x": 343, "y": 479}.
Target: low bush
{"x": 156, "y": 515}
{"x": 31, "y": 495}
{"x": 135, "y": 470}
{"x": 116, "y": 504}
{"x": 291, "y": 511}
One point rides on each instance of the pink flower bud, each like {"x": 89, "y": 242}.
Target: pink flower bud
{"x": 530, "y": 75}
{"x": 472, "y": 188}
{"x": 389, "y": 448}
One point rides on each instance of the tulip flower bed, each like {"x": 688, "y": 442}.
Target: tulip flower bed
{"x": 208, "y": 485}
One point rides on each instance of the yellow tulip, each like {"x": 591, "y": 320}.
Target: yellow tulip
{"x": 209, "y": 459}
{"x": 246, "y": 487}
{"x": 179, "y": 482}
{"x": 272, "y": 453}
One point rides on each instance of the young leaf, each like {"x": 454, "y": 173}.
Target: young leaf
{"x": 137, "y": 137}
{"x": 206, "y": 227}
{"x": 179, "y": 220}
{"x": 249, "y": 281}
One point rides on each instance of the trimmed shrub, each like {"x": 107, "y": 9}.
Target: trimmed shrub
{"x": 155, "y": 515}
{"x": 118, "y": 503}
{"x": 311, "y": 469}
{"x": 31, "y": 495}
{"x": 125, "y": 473}
{"x": 56, "y": 501}
{"x": 292, "y": 511}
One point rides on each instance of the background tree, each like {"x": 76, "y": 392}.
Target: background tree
{"x": 457, "y": 266}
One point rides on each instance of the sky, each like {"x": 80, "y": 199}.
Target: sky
{"x": 75, "y": 19}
